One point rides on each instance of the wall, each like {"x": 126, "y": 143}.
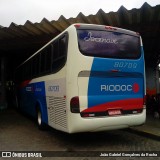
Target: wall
{"x": 151, "y": 81}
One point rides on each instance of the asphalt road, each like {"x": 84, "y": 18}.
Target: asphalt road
{"x": 20, "y": 133}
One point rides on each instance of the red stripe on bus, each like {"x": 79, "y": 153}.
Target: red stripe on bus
{"x": 24, "y": 83}
{"x": 127, "y": 104}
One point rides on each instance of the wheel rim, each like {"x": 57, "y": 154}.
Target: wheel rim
{"x": 39, "y": 118}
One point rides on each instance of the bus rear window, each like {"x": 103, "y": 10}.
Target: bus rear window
{"x": 108, "y": 44}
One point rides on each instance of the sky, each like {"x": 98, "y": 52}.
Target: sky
{"x": 19, "y": 11}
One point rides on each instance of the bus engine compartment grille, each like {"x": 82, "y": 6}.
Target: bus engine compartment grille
{"x": 57, "y": 113}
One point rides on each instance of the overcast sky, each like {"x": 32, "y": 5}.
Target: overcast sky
{"x": 19, "y": 11}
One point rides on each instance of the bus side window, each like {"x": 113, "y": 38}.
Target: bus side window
{"x": 48, "y": 58}
{"x": 62, "y": 49}
{"x": 56, "y": 50}
{"x": 59, "y": 53}
{"x": 55, "y": 53}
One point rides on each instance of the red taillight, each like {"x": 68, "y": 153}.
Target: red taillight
{"x": 138, "y": 33}
{"x": 74, "y": 104}
{"x": 110, "y": 28}
{"x": 114, "y": 70}
{"x": 77, "y": 25}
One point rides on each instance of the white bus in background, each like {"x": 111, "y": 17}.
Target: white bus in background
{"x": 88, "y": 78}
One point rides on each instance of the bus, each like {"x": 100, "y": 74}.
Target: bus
{"x": 89, "y": 78}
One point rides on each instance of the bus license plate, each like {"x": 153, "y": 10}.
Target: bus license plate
{"x": 114, "y": 112}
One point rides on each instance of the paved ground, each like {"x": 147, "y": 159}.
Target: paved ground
{"x": 20, "y": 133}
{"x": 151, "y": 128}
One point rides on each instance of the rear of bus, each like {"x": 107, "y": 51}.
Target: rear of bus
{"x": 105, "y": 79}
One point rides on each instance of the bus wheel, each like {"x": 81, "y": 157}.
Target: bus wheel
{"x": 41, "y": 125}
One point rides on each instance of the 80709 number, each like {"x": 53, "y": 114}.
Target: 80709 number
{"x": 125, "y": 65}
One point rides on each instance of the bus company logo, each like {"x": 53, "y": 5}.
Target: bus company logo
{"x": 120, "y": 88}
{"x": 99, "y": 40}
{"x": 53, "y": 88}
{"x": 29, "y": 89}
{"x": 135, "y": 87}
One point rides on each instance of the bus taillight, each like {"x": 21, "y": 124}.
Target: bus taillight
{"x": 77, "y": 25}
{"x": 74, "y": 104}
{"x": 138, "y": 33}
{"x": 144, "y": 100}
{"x": 110, "y": 28}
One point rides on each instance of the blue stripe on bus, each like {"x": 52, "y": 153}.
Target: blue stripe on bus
{"x": 31, "y": 94}
{"x": 40, "y": 96}
{"x": 107, "y": 65}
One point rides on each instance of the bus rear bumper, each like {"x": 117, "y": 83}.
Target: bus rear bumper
{"x": 92, "y": 124}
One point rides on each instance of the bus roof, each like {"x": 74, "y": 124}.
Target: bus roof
{"x": 86, "y": 26}
{"x": 105, "y": 28}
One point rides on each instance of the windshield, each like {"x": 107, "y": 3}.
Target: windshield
{"x": 108, "y": 44}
